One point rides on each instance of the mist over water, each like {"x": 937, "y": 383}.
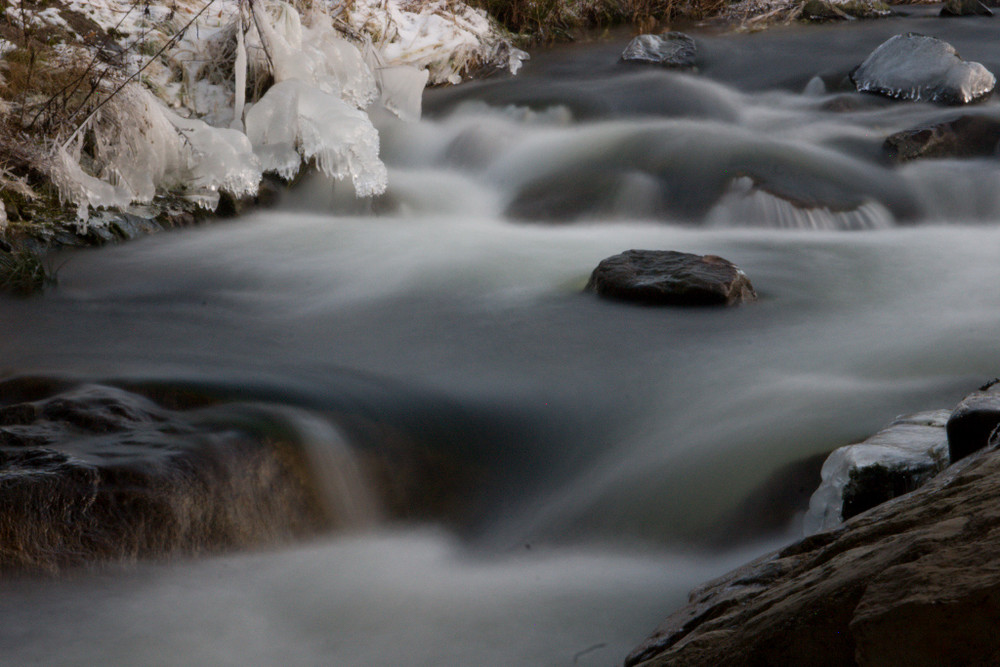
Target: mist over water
{"x": 613, "y": 449}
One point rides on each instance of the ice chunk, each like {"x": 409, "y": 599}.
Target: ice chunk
{"x": 295, "y": 121}
{"x": 403, "y": 90}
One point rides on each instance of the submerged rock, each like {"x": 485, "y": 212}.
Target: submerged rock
{"x": 966, "y": 136}
{"x": 965, "y": 8}
{"x": 920, "y": 68}
{"x": 93, "y": 472}
{"x": 975, "y": 423}
{"x": 667, "y": 277}
{"x": 669, "y": 49}
{"x": 894, "y": 461}
{"x": 912, "y": 582}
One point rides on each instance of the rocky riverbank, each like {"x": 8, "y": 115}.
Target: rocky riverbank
{"x": 913, "y": 581}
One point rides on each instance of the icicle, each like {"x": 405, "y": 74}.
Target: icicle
{"x": 295, "y": 121}
{"x": 240, "y": 71}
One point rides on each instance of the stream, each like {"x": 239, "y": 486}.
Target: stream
{"x": 617, "y": 456}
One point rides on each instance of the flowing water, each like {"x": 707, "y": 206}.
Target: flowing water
{"x": 615, "y": 456}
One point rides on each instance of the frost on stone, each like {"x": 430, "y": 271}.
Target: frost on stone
{"x": 920, "y": 68}
{"x": 896, "y": 460}
{"x": 295, "y": 121}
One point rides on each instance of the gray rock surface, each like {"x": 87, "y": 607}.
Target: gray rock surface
{"x": 964, "y": 137}
{"x": 667, "y": 277}
{"x": 669, "y": 49}
{"x": 914, "y": 582}
{"x": 920, "y": 68}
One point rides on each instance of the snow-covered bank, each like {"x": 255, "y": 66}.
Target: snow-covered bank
{"x": 197, "y": 97}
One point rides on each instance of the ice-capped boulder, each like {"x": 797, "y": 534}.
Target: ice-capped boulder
{"x": 896, "y": 460}
{"x": 669, "y": 49}
{"x": 667, "y": 277}
{"x": 975, "y": 422}
{"x": 920, "y": 68}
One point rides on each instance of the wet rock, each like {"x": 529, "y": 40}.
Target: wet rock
{"x": 964, "y": 137}
{"x": 911, "y": 582}
{"x": 965, "y": 8}
{"x": 920, "y": 68}
{"x": 898, "y": 459}
{"x": 667, "y": 277}
{"x": 974, "y": 422}
{"x": 669, "y": 49}
{"x": 93, "y": 472}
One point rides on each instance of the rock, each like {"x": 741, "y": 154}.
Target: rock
{"x": 964, "y": 137}
{"x": 896, "y": 460}
{"x": 91, "y": 472}
{"x": 913, "y": 582}
{"x": 669, "y": 49}
{"x": 965, "y": 8}
{"x": 974, "y": 421}
{"x": 920, "y": 68}
{"x": 666, "y": 277}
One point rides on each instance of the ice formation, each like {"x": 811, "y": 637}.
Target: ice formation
{"x": 237, "y": 87}
{"x": 912, "y": 448}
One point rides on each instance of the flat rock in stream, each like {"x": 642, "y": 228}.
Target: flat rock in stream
{"x": 669, "y": 49}
{"x": 964, "y": 137}
{"x": 911, "y": 582}
{"x": 667, "y": 277}
{"x": 920, "y": 68}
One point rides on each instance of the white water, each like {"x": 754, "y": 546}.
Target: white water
{"x": 618, "y": 443}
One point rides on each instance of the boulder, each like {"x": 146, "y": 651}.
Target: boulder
{"x": 974, "y": 421}
{"x": 965, "y": 8}
{"x": 839, "y": 10}
{"x": 667, "y": 277}
{"x": 898, "y": 459}
{"x": 669, "y": 49}
{"x": 911, "y": 582}
{"x": 920, "y": 68}
{"x": 964, "y": 137}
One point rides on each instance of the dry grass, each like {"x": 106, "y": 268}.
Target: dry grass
{"x": 549, "y": 20}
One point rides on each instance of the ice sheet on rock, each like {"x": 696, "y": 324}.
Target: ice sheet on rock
{"x": 402, "y": 89}
{"x": 295, "y": 121}
{"x": 916, "y": 444}
{"x": 921, "y": 68}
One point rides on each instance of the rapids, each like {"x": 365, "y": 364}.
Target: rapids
{"x": 617, "y": 448}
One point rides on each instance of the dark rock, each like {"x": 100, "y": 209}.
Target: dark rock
{"x": 973, "y": 422}
{"x": 669, "y": 49}
{"x": 666, "y": 277}
{"x": 964, "y": 137}
{"x": 912, "y": 582}
{"x": 920, "y": 68}
{"x": 965, "y": 8}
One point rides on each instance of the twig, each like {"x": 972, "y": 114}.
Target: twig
{"x": 170, "y": 42}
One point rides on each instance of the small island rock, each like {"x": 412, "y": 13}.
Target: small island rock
{"x": 669, "y": 49}
{"x": 667, "y": 277}
{"x": 920, "y": 68}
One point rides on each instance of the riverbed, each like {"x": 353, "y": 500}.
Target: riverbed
{"x": 621, "y": 445}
